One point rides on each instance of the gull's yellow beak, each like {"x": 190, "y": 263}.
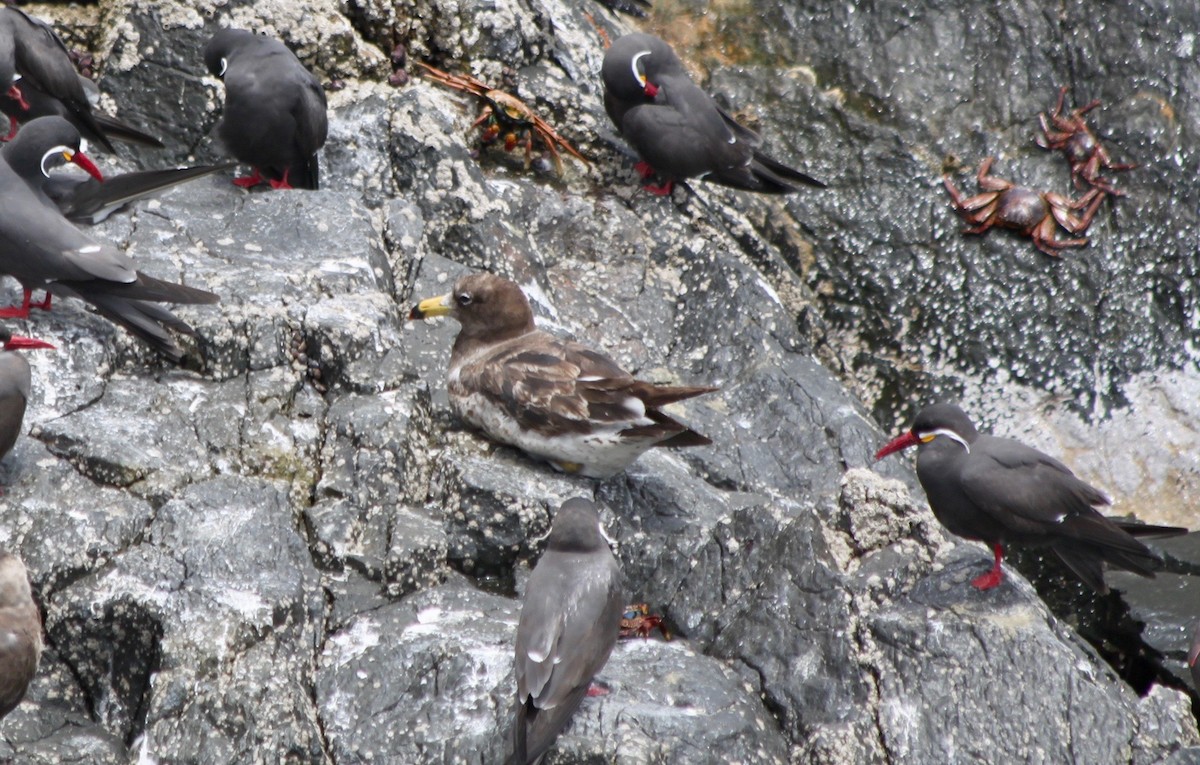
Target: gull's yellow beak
{"x": 442, "y": 305}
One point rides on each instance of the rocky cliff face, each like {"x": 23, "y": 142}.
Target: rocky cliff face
{"x": 297, "y": 554}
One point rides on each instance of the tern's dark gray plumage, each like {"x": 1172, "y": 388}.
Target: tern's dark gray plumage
{"x": 997, "y": 491}
{"x": 569, "y": 624}
{"x": 677, "y": 129}
{"x": 84, "y": 200}
{"x": 275, "y": 112}
{"x": 36, "y": 73}
{"x": 35, "y": 104}
{"x": 15, "y": 384}
{"x": 20, "y": 633}
{"x": 555, "y": 399}
{"x": 43, "y": 250}
{"x": 1193, "y": 658}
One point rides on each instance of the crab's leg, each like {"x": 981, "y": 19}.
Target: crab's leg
{"x": 1107, "y": 162}
{"x": 1103, "y": 185}
{"x": 1053, "y": 139}
{"x": 982, "y": 220}
{"x": 1060, "y": 209}
{"x": 528, "y": 147}
{"x": 1043, "y": 239}
{"x": 1090, "y": 172}
{"x": 549, "y": 141}
{"x": 969, "y": 206}
{"x": 1078, "y": 113}
{"x": 1062, "y": 97}
{"x": 989, "y": 182}
{"x": 1085, "y": 220}
{"x": 546, "y": 130}
{"x": 467, "y": 84}
{"x": 978, "y": 210}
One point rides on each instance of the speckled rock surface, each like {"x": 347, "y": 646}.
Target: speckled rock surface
{"x": 292, "y": 552}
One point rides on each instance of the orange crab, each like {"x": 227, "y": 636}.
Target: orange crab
{"x": 508, "y": 117}
{"x": 637, "y": 621}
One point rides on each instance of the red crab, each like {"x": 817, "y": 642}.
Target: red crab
{"x": 637, "y": 621}
{"x": 1032, "y": 213}
{"x": 506, "y": 117}
{"x": 1083, "y": 149}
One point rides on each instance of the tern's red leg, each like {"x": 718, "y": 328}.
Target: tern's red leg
{"x": 17, "y": 312}
{"x": 595, "y": 689}
{"x": 44, "y": 305}
{"x": 15, "y": 94}
{"x": 643, "y": 169}
{"x": 248, "y": 181}
{"x": 995, "y": 576}
{"x": 660, "y": 191}
{"x": 282, "y": 183}
{"x": 13, "y": 126}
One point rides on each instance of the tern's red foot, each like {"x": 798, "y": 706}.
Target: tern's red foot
{"x": 248, "y": 181}
{"x": 660, "y": 191}
{"x": 989, "y": 580}
{"x": 15, "y": 312}
{"x": 643, "y": 169}
{"x": 994, "y": 577}
{"x": 282, "y": 183}
{"x": 13, "y": 126}
{"x": 595, "y": 689}
{"x": 21, "y": 311}
{"x": 15, "y": 94}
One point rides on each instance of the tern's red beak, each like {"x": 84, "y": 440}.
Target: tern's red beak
{"x": 18, "y": 343}
{"x": 82, "y": 160}
{"x": 898, "y": 443}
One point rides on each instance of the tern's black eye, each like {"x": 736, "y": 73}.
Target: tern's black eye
{"x": 464, "y": 299}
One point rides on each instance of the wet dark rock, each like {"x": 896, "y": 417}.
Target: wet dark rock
{"x": 1168, "y": 606}
{"x": 293, "y": 550}
{"x": 985, "y": 308}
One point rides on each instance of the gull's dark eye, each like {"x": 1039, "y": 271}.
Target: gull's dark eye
{"x": 464, "y": 299}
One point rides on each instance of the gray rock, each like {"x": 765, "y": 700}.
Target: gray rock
{"x": 54, "y": 724}
{"x": 426, "y": 679}
{"x": 448, "y": 652}
{"x": 155, "y": 662}
{"x": 932, "y": 313}
{"x": 656, "y": 691}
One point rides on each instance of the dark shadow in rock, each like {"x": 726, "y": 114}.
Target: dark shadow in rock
{"x": 113, "y": 654}
{"x": 1104, "y": 621}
